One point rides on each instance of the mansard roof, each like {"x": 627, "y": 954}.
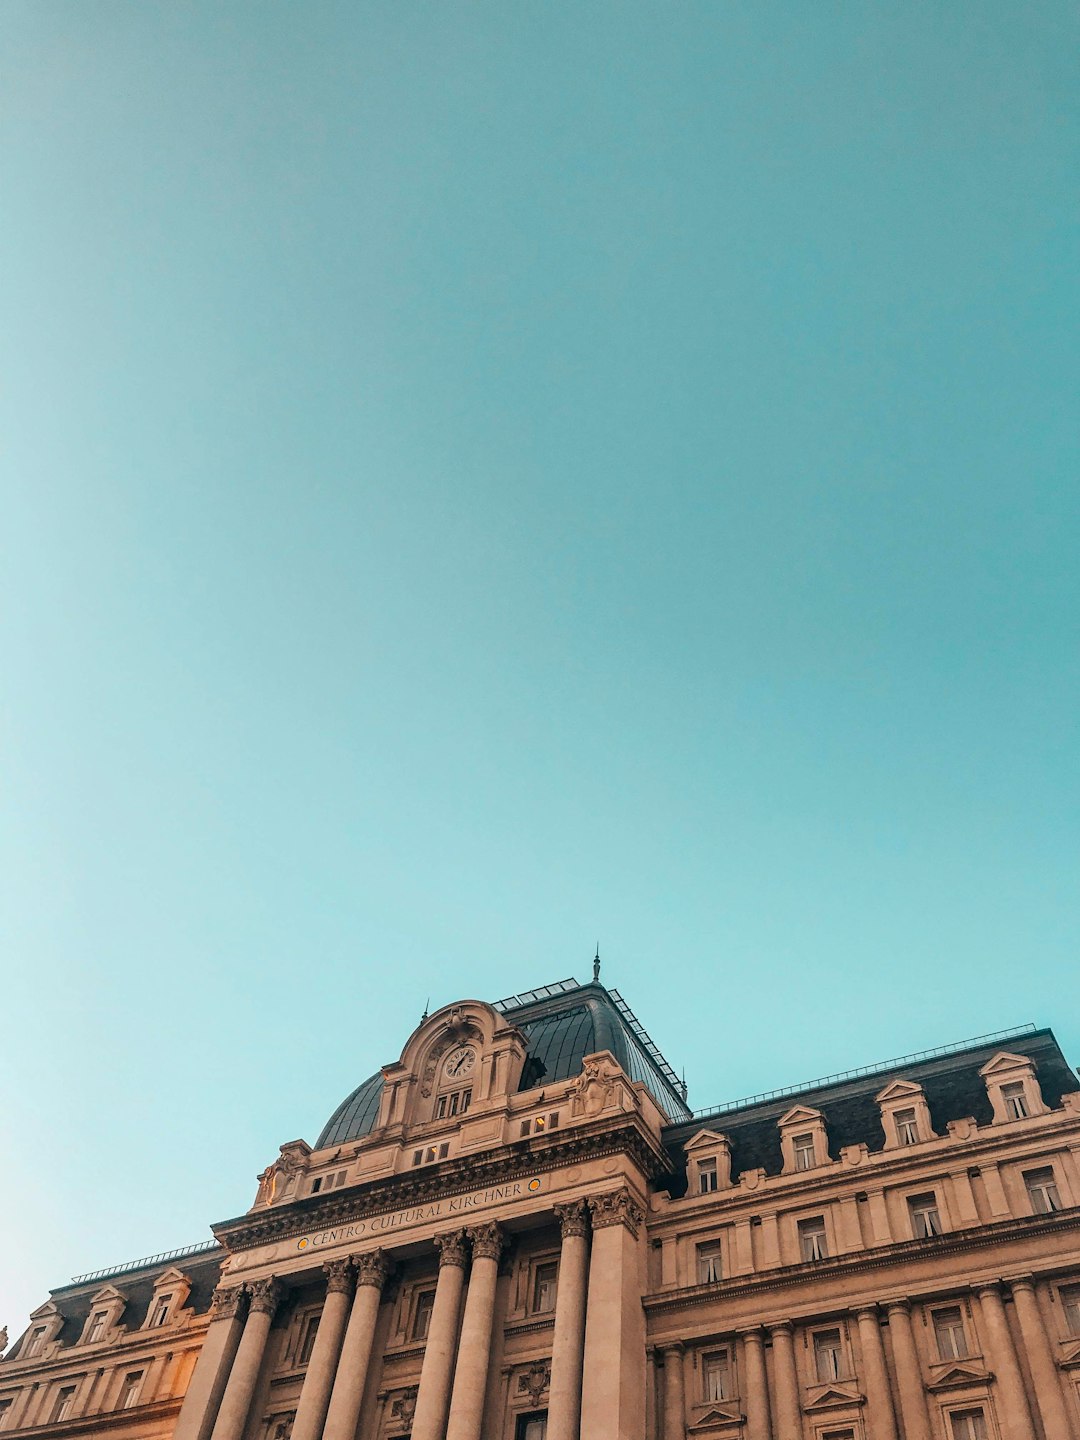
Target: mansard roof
{"x": 562, "y": 1023}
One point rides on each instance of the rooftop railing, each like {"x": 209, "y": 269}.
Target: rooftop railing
{"x": 200, "y": 1249}
{"x": 877, "y": 1069}
{"x": 530, "y": 997}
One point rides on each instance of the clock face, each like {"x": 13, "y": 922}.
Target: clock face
{"x": 460, "y": 1063}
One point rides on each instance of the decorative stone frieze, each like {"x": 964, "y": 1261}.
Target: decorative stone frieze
{"x": 487, "y": 1241}
{"x": 339, "y": 1277}
{"x": 573, "y": 1218}
{"x": 373, "y": 1268}
{"x": 266, "y": 1296}
{"x": 227, "y": 1302}
{"x": 451, "y": 1248}
{"x": 616, "y": 1208}
{"x": 534, "y": 1381}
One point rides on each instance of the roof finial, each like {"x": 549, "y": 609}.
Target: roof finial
{"x": 427, "y": 1007}
{"x": 596, "y": 964}
{"x": 682, "y": 1083}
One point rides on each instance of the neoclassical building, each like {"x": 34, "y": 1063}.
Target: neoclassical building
{"x": 519, "y": 1231}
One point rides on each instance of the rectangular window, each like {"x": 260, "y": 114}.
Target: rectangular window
{"x": 804, "y": 1152}
{"x": 925, "y": 1216}
{"x": 716, "y": 1371}
{"x": 531, "y": 1427}
{"x": 64, "y": 1403}
{"x": 316, "y": 1185}
{"x": 812, "y": 1243}
{"x": 425, "y": 1303}
{"x": 1042, "y": 1190}
{"x": 545, "y": 1281}
{"x": 838, "y": 1435}
{"x": 5, "y": 1406}
{"x": 307, "y": 1339}
{"x": 129, "y": 1391}
{"x": 1070, "y": 1305}
{"x": 968, "y": 1425}
{"x": 827, "y": 1364}
{"x": 949, "y": 1332}
{"x": 707, "y": 1179}
{"x": 34, "y": 1344}
{"x": 97, "y": 1327}
{"x": 907, "y": 1132}
{"x": 708, "y": 1262}
{"x": 162, "y": 1308}
{"x": 1015, "y": 1101}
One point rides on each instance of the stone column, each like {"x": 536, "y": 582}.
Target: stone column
{"x": 674, "y": 1393}
{"x": 1014, "y": 1412}
{"x": 474, "y": 1351}
{"x": 876, "y": 1374}
{"x": 757, "y": 1385}
{"x": 433, "y": 1400}
{"x": 1044, "y": 1372}
{"x": 613, "y": 1383}
{"x": 200, "y": 1407}
{"x": 568, "y": 1342}
{"x": 235, "y": 1403}
{"x": 315, "y": 1394}
{"x": 787, "y": 1412}
{"x": 909, "y": 1378}
{"x": 348, "y": 1392}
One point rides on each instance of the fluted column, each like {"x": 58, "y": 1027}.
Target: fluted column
{"x": 568, "y": 1341}
{"x": 235, "y": 1403}
{"x": 474, "y": 1351}
{"x": 909, "y": 1380}
{"x": 787, "y": 1412}
{"x": 211, "y": 1373}
{"x": 674, "y": 1393}
{"x": 613, "y": 1380}
{"x": 757, "y": 1385}
{"x": 315, "y": 1394}
{"x": 876, "y": 1375}
{"x": 1044, "y": 1372}
{"x": 433, "y": 1399}
{"x": 1014, "y": 1412}
{"x": 348, "y": 1392}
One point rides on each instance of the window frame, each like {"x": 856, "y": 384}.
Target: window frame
{"x": 130, "y": 1394}
{"x": 708, "y": 1172}
{"x": 718, "y": 1361}
{"x": 837, "y": 1351}
{"x": 537, "y": 1281}
{"x": 709, "y": 1262}
{"x": 804, "y": 1151}
{"x": 1069, "y": 1296}
{"x": 819, "y": 1232}
{"x": 1046, "y": 1188}
{"x": 63, "y": 1404}
{"x": 925, "y": 1203}
{"x": 941, "y": 1329}
{"x": 906, "y": 1124}
{"x": 968, "y": 1413}
{"x": 1014, "y": 1099}
{"x": 420, "y": 1295}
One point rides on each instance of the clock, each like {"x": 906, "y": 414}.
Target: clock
{"x": 459, "y": 1063}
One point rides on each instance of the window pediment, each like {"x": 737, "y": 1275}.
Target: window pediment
{"x": 832, "y": 1394}
{"x": 898, "y": 1090}
{"x": 955, "y": 1377}
{"x": 800, "y": 1115}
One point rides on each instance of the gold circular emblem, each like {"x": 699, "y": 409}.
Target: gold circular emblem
{"x": 534, "y": 1185}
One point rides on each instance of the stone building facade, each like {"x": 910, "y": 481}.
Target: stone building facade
{"x": 519, "y": 1231}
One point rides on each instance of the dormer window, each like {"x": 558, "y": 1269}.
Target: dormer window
{"x": 804, "y": 1152}
{"x": 35, "y": 1342}
{"x": 905, "y": 1115}
{"x": 707, "y": 1181}
{"x": 96, "y": 1328}
{"x": 708, "y": 1163}
{"x": 804, "y": 1144}
{"x": 161, "y": 1312}
{"x": 907, "y": 1130}
{"x": 1015, "y": 1101}
{"x": 1012, "y": 1087}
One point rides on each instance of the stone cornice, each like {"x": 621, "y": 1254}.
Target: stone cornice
{"x": 451, "y": 1177}
{"x": 878, "y": 1258}
{"x": 107, "y": 1420}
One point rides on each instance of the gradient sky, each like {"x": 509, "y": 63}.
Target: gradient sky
{"x": 484, "y": 478}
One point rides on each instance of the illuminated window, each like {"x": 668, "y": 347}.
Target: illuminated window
{"x": 1042, "y": 1190}
{"x": 925, "y": 1216}
{"x": 307, "y": 1339}
{"x": 64, "y": 1403}
{"x": 716, "y": 1373}
{"x": 1070, "y": 1305}
{"x": 97, "y": 1326}
{"x": 425, "y": 1303}
{"x": 812, "y": 1242}
{"x": 545, "y": 1282}
{"x": 949, "y": 1331}
{"x": 804, "y": 1152}
{"x": 708, "y": 1262}
{"x": 707, "y": 1177}
{"x": 907, "y": 1132}
{"x": 968, "y": 1425}
{"x": 827, "y": 1360}
{"x": 1015, "y": 1101}
{"x": 129, "y": 1391}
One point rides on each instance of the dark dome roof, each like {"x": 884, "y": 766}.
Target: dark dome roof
{"x": 562, "y": 1024}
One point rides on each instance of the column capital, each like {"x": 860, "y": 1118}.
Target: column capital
{"x": 266, "y": 1296}
{"x": 226, "y": 1302}
{"x": 451, "y": 1248}
{"x": 870, "y": 1310}
{"x": 487, "y": 1241}
{"x": 781, "y": 1327}
{"x": 573, "y": 1218}
{"x": 373, "y": 1268}
{"x": 752, "y": 1334}
{"x": 987, "y": 1287}
{"x": 617, "y": 1207}
{"x": 898, "y": 1305}
{"x": 674, "y": 1348}
{"x": 339, "y": 1276}
{"x": 1020, "y": 1282}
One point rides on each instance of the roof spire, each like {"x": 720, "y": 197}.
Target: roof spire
{"x": 596, "y": 964}
{"x": 427, "y": 1007}
{"x": 682, "y": 1083}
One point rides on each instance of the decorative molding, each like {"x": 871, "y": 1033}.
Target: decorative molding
{"x": 573, "y": 1218}
{"x": 617, "y": 1207}
{"x": 535, "y": 1381}
{"x": 339, "y": 1277}
{"x": 451, "y": 1248}
{"x": 226, "y": 1302}
{"x": 487, "y": 1241}
{"x": 266, "y": 1296}
{"x": 373, "y": 1268}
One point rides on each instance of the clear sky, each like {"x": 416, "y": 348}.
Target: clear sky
{"x": 483, "y": 478}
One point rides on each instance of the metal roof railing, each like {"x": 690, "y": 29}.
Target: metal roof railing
{"x": 200, "y": 1249}
{"x": 530, "y": 997}
{"x": 879, "y": 1068}
{"x": 645, "y": 1041}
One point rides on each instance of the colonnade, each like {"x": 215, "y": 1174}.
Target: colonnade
{"x": 598, "y": 1346}
{"x": 774, "y": 1412}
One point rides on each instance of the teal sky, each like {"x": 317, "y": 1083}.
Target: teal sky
{"x": 484, "y": 478}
